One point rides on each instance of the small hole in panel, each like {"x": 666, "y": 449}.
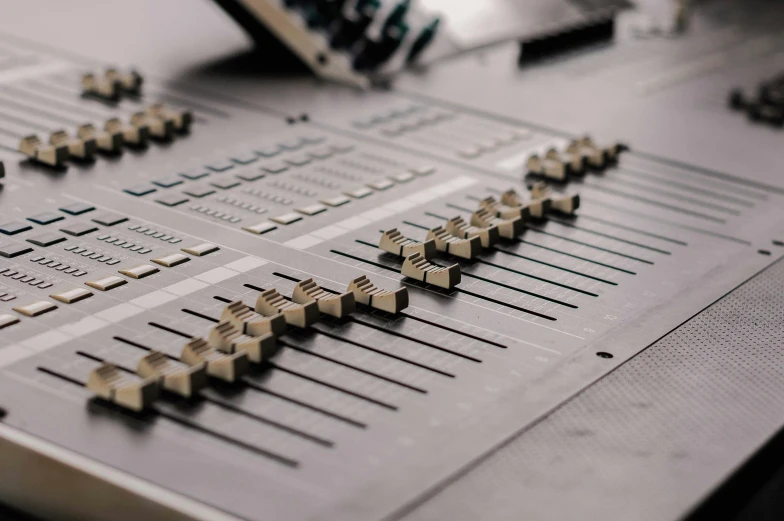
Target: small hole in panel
{"x": 763, "y": 252}
{"x": 602, "y": 354}
{"x": 2, "y": 413}
{"x": 291, "y": 120}
{"x": 322, "y": 59}
{"x": 778, "y": 243}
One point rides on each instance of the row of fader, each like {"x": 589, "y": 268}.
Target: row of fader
{"x": 580, "y": 156}
{"x": 242, "y": 336}
{"x": 156, "y": 122}
{"x": 492, "y": 221}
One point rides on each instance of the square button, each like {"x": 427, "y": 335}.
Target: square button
{"x": 422, "y": 171}
{"x": 381, "y": 184}
{"x": 10, "y": 250}
{"x": 194, "y": 174}
{"x": 8, "y": 320}
{"x": 77, "y": 208}
{"x": 245, "y": 159}
{"x": 358, "y": 193}
{"x": 225, "y": 184}
{"x": 14, "y": 227}
{"x": 36, "y": 308}
{"x": 72, "y": 296}
{"x": 109, "y": 219}
{"x": 172, "y": 260}
{"x": 172, "y": 200}
{"x": 168, "y": 182}
{"x": 46, "y": 218}
{"x": 275, "y": 168}
{"x": 140, "y": 190}
{"x": 199, "y": 191}
{"x": 106, "y": 283}
{"x": 260, "y": 228}
{"x": 200, "y": 250}
{"x": 292, "y": 144}
{"x": 338, "y": 200}
{"x": 78, "y": 229}
{"x": 298, "y": 160}
{"x": 251, "y": 175}
{"x": 403, "y": 177}
{"x": 313, "y": 209}
{"x": 46, "y": 239}
{"x": 269, "y": 151}
{"x": 221, "y": 166}
{"x": 139, "y": 272}
{"x": 287, "y": 218}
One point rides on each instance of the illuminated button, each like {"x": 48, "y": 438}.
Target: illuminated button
{"x": 202, "y": 249}
{"x": 381, "y": 184}
{"x": 120, "y": 388}
{"x": 172, "y": 260}
{"x": 287, "y": 218}
{"x": 260, "y": 228}
{"x": 358, "y": 193}
{"x": 46, "y": 239}
{"x": 8, "y": 320}
{"x": 79, "y": 229}
{"x": 338, "y": 200}
{"x": 106, "y": 283}
{"x": 139, "y": 272}
{"x": 36, "y": 308}
{"x": 313, "y": 209}
{"x": 72, "y": 295}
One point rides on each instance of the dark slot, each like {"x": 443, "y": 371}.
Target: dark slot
{"x": 659, "y": 204}
{"x": 587, "y": 32}
{"x": 458, "y": 290}
{"x": 200, "y": 315}
{"x": 588, "y": 245}
{"x": 36, "y": 110}
{"x": 672, "y": 182}
{"x": 384, "y": 353}
{"x": 261, "y": 389}
{"x": 665, "y": 193}
{"x": 171, "y": 330}
{"x": 506, "y": 252}
{"x": 541, "y": 279}
{"x": 670, "y": 223}
{"x": 478, "y": 277}
{"x": 684, "y": 187}
{"x": 353, "y": 367}
{"x": 289, "y": 462}
{"x": 24, "y": 122}
{"x": 608, "y": 236}
{"x": 57, "y": 103}
{"x": 583, "y": 216}
{"x": 253, "y": 287}
{"x": 412, "y": 317}
{"x": 224, "y": 405}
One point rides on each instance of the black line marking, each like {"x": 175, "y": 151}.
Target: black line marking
{"x": 598, "y": 279}
{"x": 583, "y": 216}
{"x": 301, "y": 349}
{"x": 200, "y": 315}
{"x": 659, "y": 204}
{"x": 171, "y": 330}
{"x": 541, "y": 279}
{"x": 654, "y": 181}
{"x": 289, "y": 462}
{"x": 608, "y": 236}
{"x": 383, "y": 353}
{"x": 588, "y": 245}
{"x": 668, "y": 179}
{"x": 670, "y": 223}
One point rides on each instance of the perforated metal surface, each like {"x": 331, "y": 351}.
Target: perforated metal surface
{"x": 648, "y": 439}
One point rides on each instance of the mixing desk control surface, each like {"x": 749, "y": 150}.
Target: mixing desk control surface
{"x": 288, "y": 300}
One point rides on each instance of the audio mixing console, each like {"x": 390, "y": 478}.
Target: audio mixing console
{"x": 231, "y": 293}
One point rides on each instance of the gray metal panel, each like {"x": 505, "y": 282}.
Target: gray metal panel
{"x": 647, "y": 440}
